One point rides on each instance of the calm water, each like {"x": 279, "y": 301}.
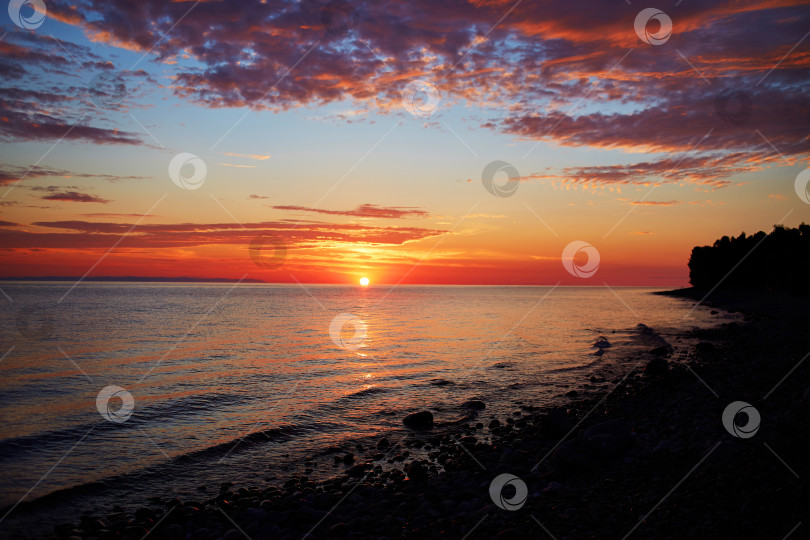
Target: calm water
{"x": 208, "y": 364}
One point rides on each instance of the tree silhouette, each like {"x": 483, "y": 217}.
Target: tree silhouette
{"x": 779, "y": 260}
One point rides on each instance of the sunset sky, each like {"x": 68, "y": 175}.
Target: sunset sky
{"x": 642, "y": 150}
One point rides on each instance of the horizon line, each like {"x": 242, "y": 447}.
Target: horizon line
{"x": 256, "y": 281}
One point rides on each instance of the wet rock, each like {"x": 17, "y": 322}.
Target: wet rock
{"x": 419, "y": 420}
{"x": 495, "y": 423}
{"x": 417, "y": 471}
{"x": 136, "y": 531}
{"x": 475, "y": 404}
{"x": 704, "y": 347}
{"x": 656, "y": 367}
{"x": 602, "y": 343}
{"x": 383, "y": 443}
{"x": 144, "y": 514}
{"x": 660, "y": 351}
{"x": 348, "y": 458}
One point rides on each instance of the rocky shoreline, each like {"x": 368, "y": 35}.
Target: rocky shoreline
{"x": 649, "y": 457}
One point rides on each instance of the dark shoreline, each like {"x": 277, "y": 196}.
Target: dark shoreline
{"x": 605, "y": 461}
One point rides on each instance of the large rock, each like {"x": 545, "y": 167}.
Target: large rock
{"x": 704, "y": 347}
{"x": 419, "y": 420}
{"x": 475, "y": 404}
{"x": 656, "y": 367}
{"x": 417, "y": 471}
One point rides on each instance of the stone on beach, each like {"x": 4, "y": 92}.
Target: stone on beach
{"x": 417, "y": 471}
{"x": 656, "y": 367}
{"x": 704, "y": 347}
{"x": 476, "y": 404}
{"x": 419, "y": 420}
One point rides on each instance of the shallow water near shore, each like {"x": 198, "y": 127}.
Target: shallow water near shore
{"x": 244, "y": 383}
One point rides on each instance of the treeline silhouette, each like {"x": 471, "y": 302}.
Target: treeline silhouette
{"x": 779, "y": 260}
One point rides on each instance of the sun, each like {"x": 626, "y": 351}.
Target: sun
{"x": 364, "y": 281}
